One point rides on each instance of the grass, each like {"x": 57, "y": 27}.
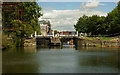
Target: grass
{"x": 101, "y": 38}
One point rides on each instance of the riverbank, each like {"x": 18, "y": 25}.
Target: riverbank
{"x": 79, "y": 42}
{"x": 101, "y": 38}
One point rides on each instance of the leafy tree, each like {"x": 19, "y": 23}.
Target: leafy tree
{"x": 55, "y": 32}
{"x": 26, "y": 24}
{"x": 81, "y": 25}
{"x": 113, "y": 20}
{"x": 100, "y": 25}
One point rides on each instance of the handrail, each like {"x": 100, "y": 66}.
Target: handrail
{"x": 110, "y": 35}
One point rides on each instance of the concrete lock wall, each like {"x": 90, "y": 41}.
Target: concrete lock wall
{"x": 39, "y": 41}
{"x": 29, "y": 42}
{"x": 97, "y": 43}
{"x": 43, "y": 41}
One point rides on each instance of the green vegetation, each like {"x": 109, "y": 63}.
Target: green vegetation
{"x": 55, "y": 32}
{"x": 6, "y": 43}
{"x": 96, "y": 38}
{"x": 97, "y": 25}
{"x": 21, "y": 25}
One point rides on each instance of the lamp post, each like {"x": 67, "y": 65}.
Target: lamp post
{"x": 53, "y": 33}
{"x": 35, "y": 33}
{"x": 77, "y": 33}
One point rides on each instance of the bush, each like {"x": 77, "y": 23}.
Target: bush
{"x": 6, "y": 42}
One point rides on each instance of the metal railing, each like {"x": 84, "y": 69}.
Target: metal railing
{"x": 110, "y": 35}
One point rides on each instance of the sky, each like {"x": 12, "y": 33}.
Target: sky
{"x": 64, "y": 15}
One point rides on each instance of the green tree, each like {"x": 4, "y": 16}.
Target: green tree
{"x": 81, "y": 25}
{"x": 26, "y": 24}
{"x": 99, "y": 24}
{"x": 55, "y": 32}
{"x": 113, "y": 20}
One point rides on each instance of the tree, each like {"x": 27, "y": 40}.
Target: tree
{"x": 81, "y": 25}
{"x": 55, "y": 32}
{"x": 26, "y": 25}
{"x": 100, "y": 25}
{"x": 113, "y": 20}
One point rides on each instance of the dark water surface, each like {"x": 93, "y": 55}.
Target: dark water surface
{"x": 60, "y": 60}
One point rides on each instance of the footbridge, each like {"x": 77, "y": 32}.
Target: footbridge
{"x": 46, "y": 40}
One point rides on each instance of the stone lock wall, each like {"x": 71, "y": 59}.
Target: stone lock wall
{"x": 101, "y": 43}
{"x": 43, "y": 41}
{"x": 29, "y": 42}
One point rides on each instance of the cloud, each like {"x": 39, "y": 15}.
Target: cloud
{"x": 91, "y": 4}
{"x": 66, "y": 19}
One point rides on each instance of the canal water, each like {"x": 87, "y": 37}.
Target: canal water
{"x": 67, "y": 59}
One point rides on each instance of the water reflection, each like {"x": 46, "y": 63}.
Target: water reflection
{"x": 95, "y": 60}
{"x": 30, "y": 49}
{"x": 60, "y": 60}
{"x": 55, "y": 47}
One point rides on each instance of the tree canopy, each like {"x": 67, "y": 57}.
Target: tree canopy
{"x": 28, "y": 17}
{"x": 23, "y": 22}
{"x": 100, "y": 24}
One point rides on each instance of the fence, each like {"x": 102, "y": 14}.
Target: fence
{"x": 110, "y": 35}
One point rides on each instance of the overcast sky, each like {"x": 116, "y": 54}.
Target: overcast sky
{"x": 63, "y": 15}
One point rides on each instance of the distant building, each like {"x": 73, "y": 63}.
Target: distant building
{"x": 68, "y": 33}
{"x": 45, "y": 27}
{"x": 64, "y": 33}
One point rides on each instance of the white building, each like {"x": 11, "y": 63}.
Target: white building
{"x": 45, "y": 27}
